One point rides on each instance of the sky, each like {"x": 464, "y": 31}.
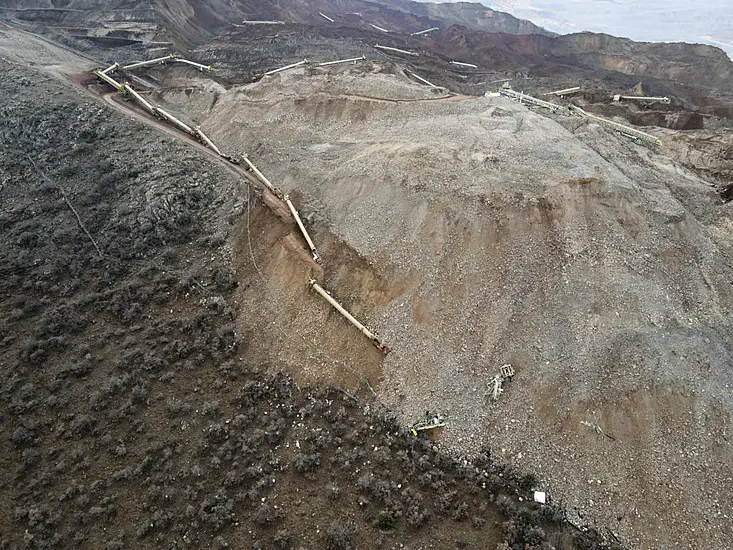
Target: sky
{"x": 694, "y": 21}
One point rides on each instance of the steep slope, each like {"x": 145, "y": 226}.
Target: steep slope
{"x": 470, "y": 232}
{"x": 599, "y": 269}
{"x": 129, "y": 417}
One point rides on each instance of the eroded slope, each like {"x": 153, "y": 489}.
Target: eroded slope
{"x": 130, "y": 416}
{"x": 598, "y": 268}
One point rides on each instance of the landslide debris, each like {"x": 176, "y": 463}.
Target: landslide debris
{"x": 129, "y": 416}
{"x": 600, "y": 269}
{"x": 483, "y": 233}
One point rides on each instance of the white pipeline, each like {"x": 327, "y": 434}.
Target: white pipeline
{"x": 149, "y": 62}
{"x": 109, "y": 80}
{"x": 298, "y": 64}
{"x": 378, "y": 28}
{"x": 426, "y": 31}
{"x": 294, "y": 212}
{"x": 263, "y": 179}
{"x": 199, "y": 66}
{"x": 471, "y": 65}
{"x": 566, "y": 91}
{"x": 352, "y": 60}
{"x": 111, "y": 68}
{"x": 522, "y": 97}
{"x": 174, "y": 120}
{"x": 203, "y": 137}
{"x": 421, "y": 79}
{"x": 389, "y": 49}
{"x": 620, "y": 127}
{"x": 325, "y": 16}
{"x": 376, "y": 340}
{"x": 140, "y": 99}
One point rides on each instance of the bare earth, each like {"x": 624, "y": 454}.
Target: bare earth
{"x": 480, "y": 233}
{"x": 491, "y": 234}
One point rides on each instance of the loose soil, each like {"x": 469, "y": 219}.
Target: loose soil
{"x": 471, "y": 232}
{"x": 598, "y": 268}
{"x": 132, "y": 416}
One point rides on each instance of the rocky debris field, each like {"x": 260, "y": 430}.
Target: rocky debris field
{"x": 490, "y": 234}
{"x": 469, "y": 232}
{"x": 132, "y": 416}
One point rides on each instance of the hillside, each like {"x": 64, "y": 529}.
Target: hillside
{"x": 132, "y": 416}
{"x": 492, "y": 235}
{"x": 162, "y": 347}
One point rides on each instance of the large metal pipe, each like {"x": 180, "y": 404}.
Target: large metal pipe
{"x": 460, "y": 64}
{"x": 199, "y": 66}
{"x": 206, "y": 140}
{"x": 665, "y": 100}
{"x": 390, "y": 49}
{"x": 263, "y": 179}
{"x": 140, "y": 99}
{"x": 353, "y": 59}
{"x": 376, "y": 340}
{"x": 109, "y": 80}
{"x": 378, "y": 28}
{"x": 620, "y": 127}
{"x": 426, "y": 31}
{"x": 566, "y": 91}
{"x": 294, "y": 212}
{"x": 298, "y": 64}
{"x": 522, "y": 97}
{"x": 325, "y": 16}
{"x": 166, "y": 115}
{"x": 111, "y": 68}
{"x": 421, "y": 79}
{"x": 149, "y": 62}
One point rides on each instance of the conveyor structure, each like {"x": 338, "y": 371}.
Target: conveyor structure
{"x": 642, "y": 99}
{"x": 637, "y": 135}
{"x": 205, "y": 140}
{"x": 339, "y": 61}
{"x": 286, "y": 67}
{"x": 157, "y": 61}
{"x": 140, "y": 99}
{"x": 565, "y": 91}
{"x": 199, "y": 66}
{"x": 461, "y": 64}
{"x": 170, "y": 118}
{"x": 507, "y": 91}
{"x": 260, "y": 23}
{"x": 111, "y": 68}
{"x": 126, "y": 89}
{"x": 109, "y": 80}
{"x": 396, "y": 50}
{"x": 375, "y": 339}
{"x": 426, "y": 31}
{"x": 306, "y": 236}
{"x": 262, "y": 177}
{"x": 378, "y": 27}
{"x": 421, "y": 79}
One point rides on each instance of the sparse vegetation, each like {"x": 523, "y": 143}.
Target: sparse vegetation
{"x": 386, "y": 521}
{"x": 129, "y": 418}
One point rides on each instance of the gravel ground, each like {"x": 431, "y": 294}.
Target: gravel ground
{"x": 599, "y": 269}
{"x": 128, "y": 417}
